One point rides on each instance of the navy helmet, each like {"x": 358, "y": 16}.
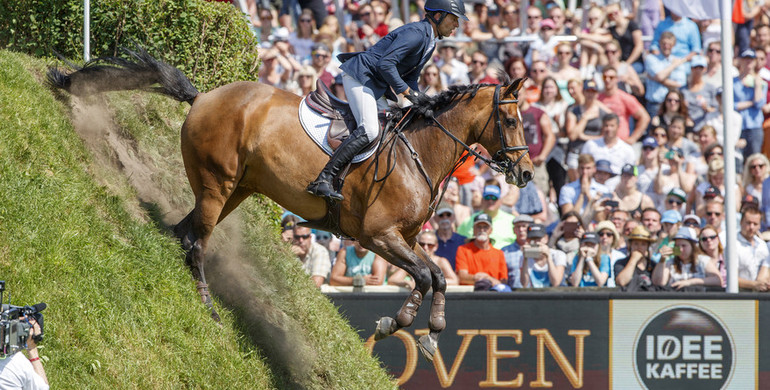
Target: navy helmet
{"x": 454, "y": 7}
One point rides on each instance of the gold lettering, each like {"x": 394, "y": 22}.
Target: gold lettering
{"x": 545, "y": 340}
{"x": 445, "y": 379}
{"x": 411, "y": 354}
{"x": 493, "y": 355}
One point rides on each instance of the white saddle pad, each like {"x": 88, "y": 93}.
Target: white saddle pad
{"x": 317, "y": 126}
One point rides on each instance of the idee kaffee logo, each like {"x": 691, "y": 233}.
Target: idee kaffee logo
{"x": 683, "y": 345}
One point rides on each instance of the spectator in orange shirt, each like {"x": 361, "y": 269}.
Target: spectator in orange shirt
{"x": 479, "y": 263}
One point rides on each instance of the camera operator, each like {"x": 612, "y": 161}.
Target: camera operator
{"x": 19, "y": 372}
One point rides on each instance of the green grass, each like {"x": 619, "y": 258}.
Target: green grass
{"x": 76, "y": 233}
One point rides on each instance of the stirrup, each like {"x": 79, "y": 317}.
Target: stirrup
{"x": 324, "y": 189}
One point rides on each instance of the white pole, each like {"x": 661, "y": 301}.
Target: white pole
{"x": 87, "y": 30}
{"x": 731, "y": 235}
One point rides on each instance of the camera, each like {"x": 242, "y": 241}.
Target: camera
{"x": 15, "y": 326}
{"x": 532, "y": 252}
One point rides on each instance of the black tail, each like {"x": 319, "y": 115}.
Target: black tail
{"x": 116, "y": 74}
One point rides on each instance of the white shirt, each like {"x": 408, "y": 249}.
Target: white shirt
{"x": 618, "y": 155}
{"x": 751, "y": 257}
{"x": 16, "y": 372}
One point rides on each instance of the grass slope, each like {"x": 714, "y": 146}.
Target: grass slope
{"x": 122, "y": 309}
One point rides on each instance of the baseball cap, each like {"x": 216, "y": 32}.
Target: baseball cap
{"x": 548, "y": 22}
{"x": 280, "y": 34}
{"x": 589, "y": 237}
{"x": 671, "y": 216}
{"x": 321, "y": 47}
{"x": 523, "y": 218}
{"x": 748, "y": 53}
{"x": 629, "y": 169}
{"x": 698, "y": 61}
{"x": 712, "y": 192}
{"x": 491, "y": 190}
{"x": 482, "y": 218}
{"x": 444, "y": 208}
{"x": 649, "y": 142}
{"x": 691, "y": 217}
{"x": 679, "y": 193}
{"x": 536, "y": 230}
{"x": 686, "y": 233}
{"x": 590, "y": 84}
{"x": 447, "y": 43}
{"x": 604, "y": 166}
{"x": 749, "y": 199}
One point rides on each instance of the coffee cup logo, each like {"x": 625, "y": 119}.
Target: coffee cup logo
{"x": 684, "y": 348}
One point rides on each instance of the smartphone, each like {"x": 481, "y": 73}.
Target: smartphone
{"x": 677, "y": 251}
{"x": 532, "y": 252}
{"x": 670, "y": 155}
{"x": 611, "y": 203}
{"x": 570, "y": 227}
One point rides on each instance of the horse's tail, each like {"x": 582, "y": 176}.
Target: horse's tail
{"x": 117, "y": 74}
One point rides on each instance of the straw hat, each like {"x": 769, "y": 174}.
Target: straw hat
{"x": 608, "y": 225}
{"x": 640, "y": 233}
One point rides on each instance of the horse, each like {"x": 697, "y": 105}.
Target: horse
{"x": 245, "y": 137}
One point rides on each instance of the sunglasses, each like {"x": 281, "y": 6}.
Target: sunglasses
{"x": 648, "y": 148}
{"x": 533, "y": 17}
{"x": 606, "y": 234}
{"x": 366, "y": 14}
{"x": 691, "y": 224}
{"x": 479, "y": 62}
{"x": 713, "y": 213}
{"x": 672, "y": 100}
{"x": 714, "y": 154}
{"x": 301, "y": 237}
{"x": 490, "y": 197}
{"x": 306, "y": 20}
{"x": 444, "y": 215}
{"x": 707, "y": 238}
{"x": 427, "y": 244}
{"x": 755, "y": 166}
{"x": 715, "y": 51}
{"x": 672, "y": 201}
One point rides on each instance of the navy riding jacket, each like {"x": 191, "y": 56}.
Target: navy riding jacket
{"x": 394, "y": 61}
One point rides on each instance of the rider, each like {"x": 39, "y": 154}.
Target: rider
{"x": 392, "y": 66}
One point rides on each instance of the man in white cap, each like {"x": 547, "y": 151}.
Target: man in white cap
{"x": 477, "y": 260}
{"x": 448, "y": 239}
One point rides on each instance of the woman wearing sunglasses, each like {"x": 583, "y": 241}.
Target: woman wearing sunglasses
{"x": 687, "y": 268}
{"x": 712, "y": 248}
{"x": 428, "y": 241}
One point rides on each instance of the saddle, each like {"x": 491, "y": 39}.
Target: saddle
{"x": 324, "y": 102}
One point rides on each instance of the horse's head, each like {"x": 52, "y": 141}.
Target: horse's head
{"x": 503, "y": 135}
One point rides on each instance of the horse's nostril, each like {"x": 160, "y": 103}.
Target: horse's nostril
{"x": 526, "y": 175}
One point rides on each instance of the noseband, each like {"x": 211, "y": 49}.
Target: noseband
{"x": 499, "y": 162}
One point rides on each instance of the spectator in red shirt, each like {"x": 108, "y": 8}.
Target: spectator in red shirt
{"x": 625, "y": 105}
{"x": 477, "y": 262}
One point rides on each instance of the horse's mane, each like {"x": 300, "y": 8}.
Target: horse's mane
{"x": 428, "y": 106}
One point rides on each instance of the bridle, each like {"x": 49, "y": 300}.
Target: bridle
{"x": 499, "y": 162}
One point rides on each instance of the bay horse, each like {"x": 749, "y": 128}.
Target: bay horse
{"x": 246, "y": 137}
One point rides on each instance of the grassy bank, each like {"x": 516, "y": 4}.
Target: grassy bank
{"x": 84, "y": 213}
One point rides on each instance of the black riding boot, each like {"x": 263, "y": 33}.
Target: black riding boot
{"x": 322, "y": 186}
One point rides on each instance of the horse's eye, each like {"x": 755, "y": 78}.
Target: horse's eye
{"x": 510, "y": 122}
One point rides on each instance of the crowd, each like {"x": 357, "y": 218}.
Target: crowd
{"x": 626, "y": 135}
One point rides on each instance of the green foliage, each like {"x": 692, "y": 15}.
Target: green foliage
{"x": 211, "y": 42}
{"x": 122, "y": 309}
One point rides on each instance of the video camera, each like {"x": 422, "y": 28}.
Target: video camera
{"x": 14, "y": 330}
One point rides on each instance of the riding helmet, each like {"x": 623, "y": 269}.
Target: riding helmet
{"x": 454, "y": 7}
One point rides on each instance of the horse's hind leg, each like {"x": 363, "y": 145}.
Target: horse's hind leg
{"x": 437, "y": 322}
{"x": 396, "y": 251}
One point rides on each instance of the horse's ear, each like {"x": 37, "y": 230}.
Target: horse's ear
{"x": 514, "y": 88}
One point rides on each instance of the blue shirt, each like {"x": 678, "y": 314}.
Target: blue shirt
{"x": 687, "y": 36}
{"x": 570, "y": 193}
{"x": 765, "y": 206}
{"x": 588, "y": 278}
{"x": 656, "y": 92}
{"x": 448, "y": 249}
{"x": 752, "y": 116}
{"x": 513, "y": 259}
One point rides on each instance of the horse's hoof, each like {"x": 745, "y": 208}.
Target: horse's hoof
{"x": 427, "y": 347}
{"x": 215, "y": 317}
{"x": 386, "y": 326}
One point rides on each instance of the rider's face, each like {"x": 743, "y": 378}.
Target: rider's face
{"x": 448, "y": 25}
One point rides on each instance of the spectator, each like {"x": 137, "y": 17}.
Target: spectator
{"x": 649, "y": 17}
{"x": 755, "y": 172}
{"x": 302, "y": 39}
{"x": 750, "y": 95}
{"x": 628, "y": 37}
{"x": 647, "y": 169}
{"x": 453, "y": 71}
{"x": 672, "y": 107}
{"x": 686, "y": 269}
{"x": 716, "y": 120}
{"x": 430, "y": 82}
{"x": 429, "y": 242}
{"x": 566, "y": 235}
{"x": 306, "y": 79}
{"x": 713, "y": 213}
{"x": 672, "y": 174}
{"x": 372, "y": 26}
{"x": 552, "y": 103}
{"x": 712, "y": 248}
{"x": 670, "y": 222}
{"x": 665, "y": 71}
{"x": 314, "y": 257}
{"x": 707, "y": 136}
{"x": 453, "y": 193}
{"x": 591, "y": 39}
{"x": 513, "y": 254}
{"x": 619, "y": 218}
{"x": 713, "y": 73}
{"x": 356, "y": 261}
{"x": 753, "y": 253}
{"x": 509, "y": 25}
{"x": 19, "y": 372}
{"x": 276, "y": 69}
{"x": 715, "y": 178}
{"x": 331, "y": 243}
{"x": 691, "y": 221}
{"x": 540, "y": 138}
{"x": 287, "y": 227}
{"x": 556, "y": 13}
{"x": 699, "y": 97}
{"x": 448, "y": 239}
{"x": 609, "y": 242}
{"x": 321, "y": 58}
{"x": 624, "y": 105}
{"x": 628, "y": 78}
{"x": 634, "y": 273}
{"x": 610, "y": 147}
{"x": 538, "y": 71}
{"x": 583, "y": 121}
{"x": 478, "y": 263}
{"x": 684, "y": 30}
{"x": 544, "y": 46}
{"x": 337, "y": 88}
{"x": 502, "y": 221}
{"x": 478, "y": 70}
{"x": 589, "y": 267}
{"x": 577, "y": 194}
{"x": 627, "y": 193}
{"x": 651, "y": 222}
{"x": 676, "y": 199}
{"x": 544, "y": 266}
{"x": 266, "y": 28}
{"x": 563, "y": 71}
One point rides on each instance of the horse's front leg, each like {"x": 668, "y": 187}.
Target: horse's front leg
{"x": 394, "y": 249}
{"x": 437, "y": 322}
